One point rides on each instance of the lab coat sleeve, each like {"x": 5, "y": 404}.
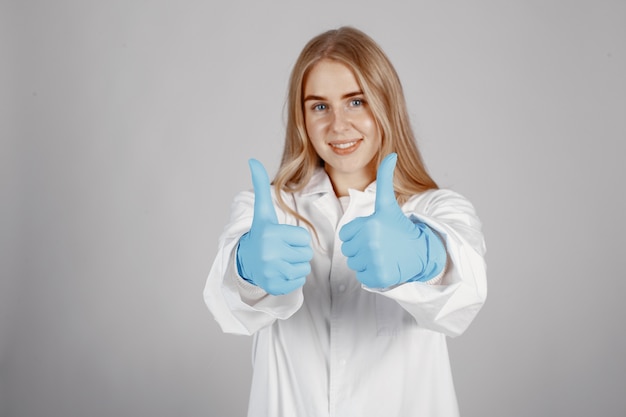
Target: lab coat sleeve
{"x": 238, "y": 306}
{"x": 450, "y": 305}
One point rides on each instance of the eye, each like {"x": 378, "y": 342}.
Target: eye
{"x": 319, "y": 107}
{"x": 356, "y": 102}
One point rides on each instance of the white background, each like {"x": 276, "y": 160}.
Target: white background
{"x": 126, "y": 127}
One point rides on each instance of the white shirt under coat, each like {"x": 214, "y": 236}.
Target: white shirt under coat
{"x": 336, "y": 348}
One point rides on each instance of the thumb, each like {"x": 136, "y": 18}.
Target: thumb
{"x": 385, "y": 197}
{"x": 263, "y": 207}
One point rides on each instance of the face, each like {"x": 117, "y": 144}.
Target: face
{"x": 340, "y": 125}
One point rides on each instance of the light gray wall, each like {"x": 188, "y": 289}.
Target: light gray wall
{"x": 126, "y": 127}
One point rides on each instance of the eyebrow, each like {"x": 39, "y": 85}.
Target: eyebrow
{"x": 345, "y": 96}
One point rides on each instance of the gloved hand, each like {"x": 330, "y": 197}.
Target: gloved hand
{"x": 387, "y": 248}
{"x": 272, "y": 256}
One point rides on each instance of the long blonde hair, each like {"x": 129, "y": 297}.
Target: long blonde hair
{"x": 383, "y": 91}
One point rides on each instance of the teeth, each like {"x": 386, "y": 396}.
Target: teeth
{"x": 343, "y": 145}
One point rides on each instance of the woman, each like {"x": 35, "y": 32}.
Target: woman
{"x": 354, "y": 268}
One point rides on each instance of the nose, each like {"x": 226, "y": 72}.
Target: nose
{"x": 340, "y": 121}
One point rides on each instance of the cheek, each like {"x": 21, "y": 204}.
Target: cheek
{"x": 313, "y": 128}
{"x": 368, "y": 124}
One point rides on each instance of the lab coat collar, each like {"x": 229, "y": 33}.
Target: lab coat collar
{"x": 320, "y": 184}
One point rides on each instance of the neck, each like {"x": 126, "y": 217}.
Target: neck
{"x": 342, "y": 181}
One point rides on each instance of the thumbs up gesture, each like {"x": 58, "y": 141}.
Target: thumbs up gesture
{"x": 387, "y": 248}
{"x": 272, "y": 256}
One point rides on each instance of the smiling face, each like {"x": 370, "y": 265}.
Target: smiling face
{"x": 341, "y": 126}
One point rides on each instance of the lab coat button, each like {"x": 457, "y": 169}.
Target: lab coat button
{"x": 342, "y": 288}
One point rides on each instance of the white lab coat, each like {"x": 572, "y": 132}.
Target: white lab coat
{"x": 336, "y": 348}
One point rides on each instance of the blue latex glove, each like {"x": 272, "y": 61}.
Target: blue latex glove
{"x": 387, "y": 248}
{"x": 272, "y": 256}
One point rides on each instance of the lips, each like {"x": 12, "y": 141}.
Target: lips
{"x": 345, "y": 147}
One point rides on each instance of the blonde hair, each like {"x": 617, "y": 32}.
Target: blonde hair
{"x": 382, "y": 90}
